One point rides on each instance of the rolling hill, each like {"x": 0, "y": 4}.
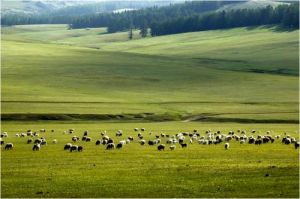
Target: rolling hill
{"x": 237, "y": 72}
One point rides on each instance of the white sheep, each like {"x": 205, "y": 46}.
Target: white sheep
{"x": 54, "y": 141}
{"x": 122, "y": 142}
{"x": 36, "y": 147}
{"x": 226, "y": 145}
{"x": 172, "y": 147}
{"x": 142, "y": 142}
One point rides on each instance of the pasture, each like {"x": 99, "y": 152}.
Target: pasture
{"x": 242, "y": 78}
{"x": 245, "y": 170}
{"x": 242, "y": 72}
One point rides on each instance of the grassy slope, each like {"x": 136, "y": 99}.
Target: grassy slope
{"x": 138, "y": 81}
{"x": 136, "y": 171}
{"x": 137, "y": 76}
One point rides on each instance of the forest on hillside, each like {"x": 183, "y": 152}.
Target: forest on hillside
{"x": 172, "y": 19}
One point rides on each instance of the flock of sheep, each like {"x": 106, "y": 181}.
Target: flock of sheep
{"x": 160, "y": 140}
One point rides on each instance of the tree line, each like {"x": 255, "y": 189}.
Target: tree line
{"x": 172, "y": 19}
{"x": 285, "y": 15}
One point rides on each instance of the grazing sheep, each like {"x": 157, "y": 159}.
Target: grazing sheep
{"x": 172, "y": 147}
{"x": 23, "y": 135}
{"x": 287, "y": 141}
{"x": 242, "y": 141}
{"x": 119, "y": 146}
{"x": 136, "y": 129}
{"x": 17, "y": 135}
{"x": 75, "y": 138}
{"x": 85, "y": 133}
{"x": 142, "y": 142}
{"x": 297, "y": 145}
{"x": 29, "y": 141}
{"x": 109, "y": 141}
{"x": 110, "y": 146}
{"x": 142, "y": 129}
{"x": 67, "y": 146}
{"x": 1, "y": 141}
{"x": 183, "y": 145}
{"x": 228, "y": 138}
{"x": 169, "y": 141}
{"x": 161, "y": 147}
{"x": 83, "y": 138}
{"x": 80, "y": 149}
{"x": 122, "y": 142}
{"x": 104, "y": 142}
{"x": 258, "y": 142}
{"x": 42, "y": 130}
{"x": 265, "y": 140}
{"x": 44, "y": 142}
{"x": 38, "y": 141}
{"x": 226, "y": 145}
{"x": 119, "y": 133}
{"x": 29, "y": 133}
{"x": 88, "y": 139}
{"x": 4, "y": 134}
{"x": 105, "y": 137}
{"x": 251, "y": 140}
{"x": 54, "y": 141}
{"x": 74, "y": 148}
{"x": 36, "y": 147}
{"x": 71, "y": 131}
{"x": 98, "y": 142}
{"x": 130, "y": 138}
{"x": 180, "y": 141}
{"x": 9, "y": 146}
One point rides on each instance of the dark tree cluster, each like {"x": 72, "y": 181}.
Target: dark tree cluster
{"x": 144, "y": 17}
{"x": 285, "y": 15}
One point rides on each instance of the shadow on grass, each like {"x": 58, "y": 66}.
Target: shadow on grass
{"x": 274, "y": 28}
{"x": 144, "y": 117}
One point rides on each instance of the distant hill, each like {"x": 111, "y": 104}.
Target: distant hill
{"x": 251, "y": 4}
{"x": 63, "y": 7}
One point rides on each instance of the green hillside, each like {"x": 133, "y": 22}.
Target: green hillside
{"x": 242, "y": 72}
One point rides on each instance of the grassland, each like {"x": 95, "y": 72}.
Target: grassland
{"x": 142, "y": 171}
{"x": 49, "y": 69}
{"x": 97, "y": 81}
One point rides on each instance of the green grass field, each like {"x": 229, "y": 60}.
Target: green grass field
{"x": 243, "y": 78}
{"x": 143, "y": 171}
{"x": 239, "y": 71}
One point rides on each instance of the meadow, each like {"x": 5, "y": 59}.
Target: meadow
{"x": 245, "y": 170}
{"x": 87, "y": 79}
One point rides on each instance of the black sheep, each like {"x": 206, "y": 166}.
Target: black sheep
{"x": 183, "y": 145}
{"x": 119, "y": 146}
{"x": 80, "y": 148}
{"x": 297, "y": 145}
{"x": 161, "y": 147}
{"x": 110, "y": 146}
{"x": 98, "y": 142}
